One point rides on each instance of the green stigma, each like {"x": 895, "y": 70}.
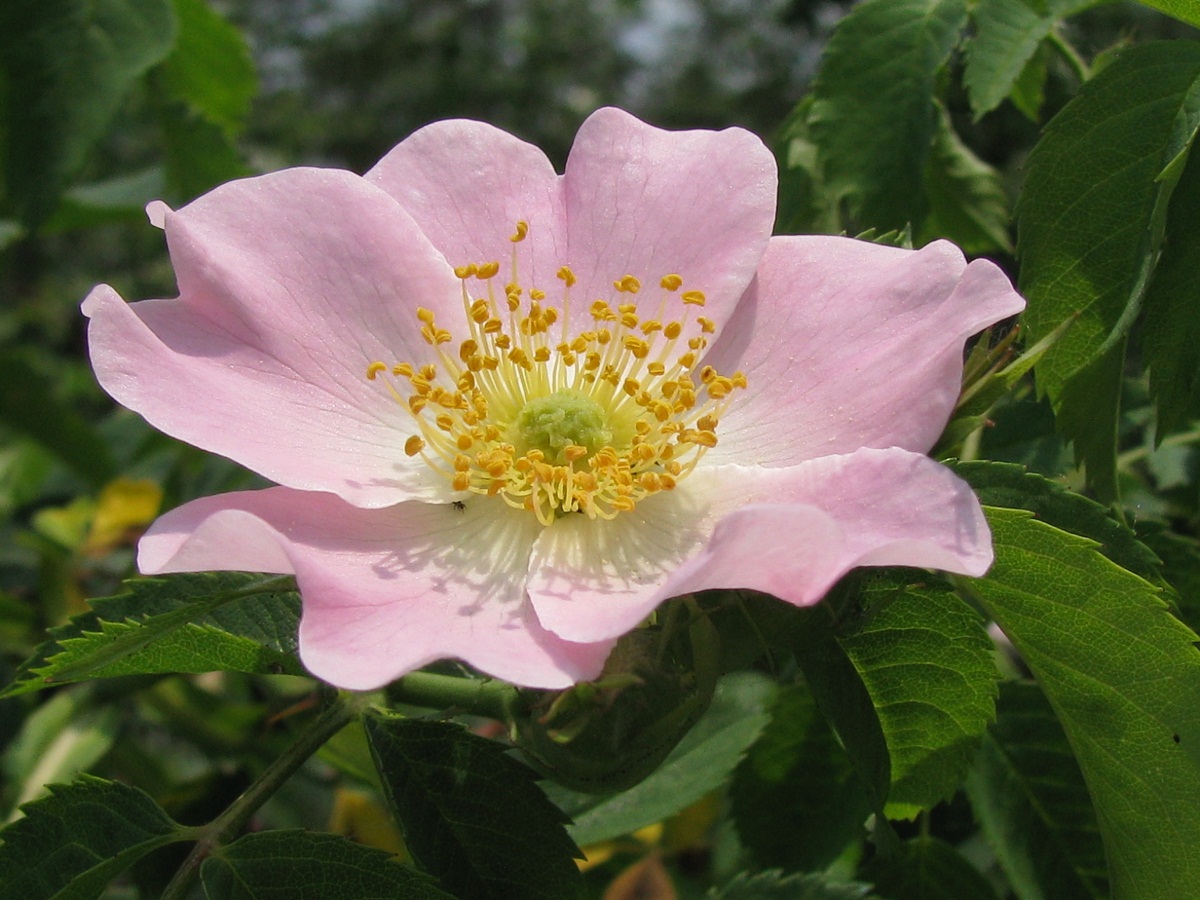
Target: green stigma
{"x": 560, "y": 420}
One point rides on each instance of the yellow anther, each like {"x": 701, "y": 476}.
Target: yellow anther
{"x": 536, "y": 294}
{"x": 464, "y": 272}
{"x": 522, "y": 230}
{"x": 573, "y": 452}
{"x": 707, "y": 325}
{"x": 487, "y": 270}
{"x": 707, "y": 423}
{"x": 671, "y": 282}
{"x": 628, "y": 285}
{"x": 672, "y": 330}
{"x": 692, "y": 298}
{"x": 650, "y": 326}
{"x": 492, "y": 326}
{"x": 462, "y": 463}
{"x": 444, "y": 422}
{"x": 666, "y": 482}
{"x": 425, "y": 315}
{"x": 656, "y": 368}
{"x": 413, "y": 446}
{"x": 698, "y": 343}
{"x": 707, "y": 374}
{"x": 464, "y": 441}
{"x": 624, "y": 504}
{"x": 631, "y": 386}
{"x": 374, "y": 369}
{"x": 629, "y": 319}
{"x": 738, "y": 379}
{"x": 461, "y": 482}
{"x": 635, "y": 345}
{"x": 541, "y": 354}
{"x": 566, "y": 275}
{"x": 416, "y": 403}
{"x": 687, "y": 360}
{"x": 404, "y": 370}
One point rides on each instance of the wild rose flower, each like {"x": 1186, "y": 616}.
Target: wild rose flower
{"x": 510, "y": 412}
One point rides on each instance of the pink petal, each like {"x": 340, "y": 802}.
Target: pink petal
{"x": 792, "y": 532}
{"x": 849, "y": 344}
{"x": 291, "y": 285}
{"x": 648, "y": 203}
{"x": 468, "y": 184}
{"x": 385, "y": 591}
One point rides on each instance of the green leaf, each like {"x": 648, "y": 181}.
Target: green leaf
{"x": 700, "y": 763}
{"x": 795, "y": 801}
{"x": 1008, "y": 485}
{"x": 1180, "y": 555}
{"x": 199, "y": 155}
{"x": 1123, "y": 676}
{"x": 69, "y": 65}
{"x": 967, "y": 203}
{"x": 71, "y": 844}
{"x": 29, "y": 404}
{"x": 471, "y": 815}
{"x": 926, "y": 662}
{"x": 302, "y": 865}
{"x": 1031, "y": 801}
{"x": 927, "y": 869}
{"x": 1090, "y": 221}
{"x": 61, "y": 738}
{"x": 873, "y": 117}
{"x": 1184, "y": 10}
{"x": 210, "y": 69}
{"x": 805, "y": 203}
{"x": 181, "y": 623}
{"x": 775, "y": 886}
{"x": 1007, "y": 35}
{"x": 1171, "y": 335}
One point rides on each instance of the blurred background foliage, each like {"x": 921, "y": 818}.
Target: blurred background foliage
{"x": 118, "y": 102}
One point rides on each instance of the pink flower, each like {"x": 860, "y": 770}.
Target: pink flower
{"x": 510, "y": 412}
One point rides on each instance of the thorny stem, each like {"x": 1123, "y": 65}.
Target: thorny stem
{"x": 228, "y": 823}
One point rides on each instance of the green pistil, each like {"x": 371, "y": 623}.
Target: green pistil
{"x": 553, "y": 423}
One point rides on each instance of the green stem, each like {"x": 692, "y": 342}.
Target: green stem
{"x": 1070, "y": 55}
{"x": 228, "y": 823}
{"x": 483, "y": 697}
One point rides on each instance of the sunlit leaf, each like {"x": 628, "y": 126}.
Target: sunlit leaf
{"x": 1123, "y": 676}
{"x": 179, "y": 623}
{"x": 873, "y": 117}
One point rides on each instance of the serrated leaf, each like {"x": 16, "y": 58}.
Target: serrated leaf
{"x": 926, "y": 662}
{"x": 1184, "y": 10}
{"x": 873, "y": 117}
{"x": 1090, "y": 220}
{"x": 1031, "y": 801}
{"x": 967, "y": 202}
{"x": 927, "y": 869}
{"x": 69, "y": 845}
{"x": 210, "y": 68}
{"x": 1007, "y": 34}
{"x": 180, "y": 623}
{"x": 1171, "y": 334}
{"x": 303, "y": 865}
{"x": 1123, "y": 676}
{"x": 700, "y": 763}
{"x": 776, "y": 886}
{"x": 1011, "y": 486}
{"x": 471, "y": 815}
{"x": 1180, "y": 555}
{"x": 795, "y": 801}
{"x": 69, "y": 65}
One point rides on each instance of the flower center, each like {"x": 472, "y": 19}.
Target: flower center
{"x": 589, "y": 422}
{"x": 563, "y": 419}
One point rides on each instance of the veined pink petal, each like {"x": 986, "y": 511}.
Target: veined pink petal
{"x": 385, "y": 591}
{"x": 291, "y": 285}
{"x": 648, "y": 203}
{"x": 849, "y": 344}
{"x": 468, "y": 184}
{"x": 792, "y": 532}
